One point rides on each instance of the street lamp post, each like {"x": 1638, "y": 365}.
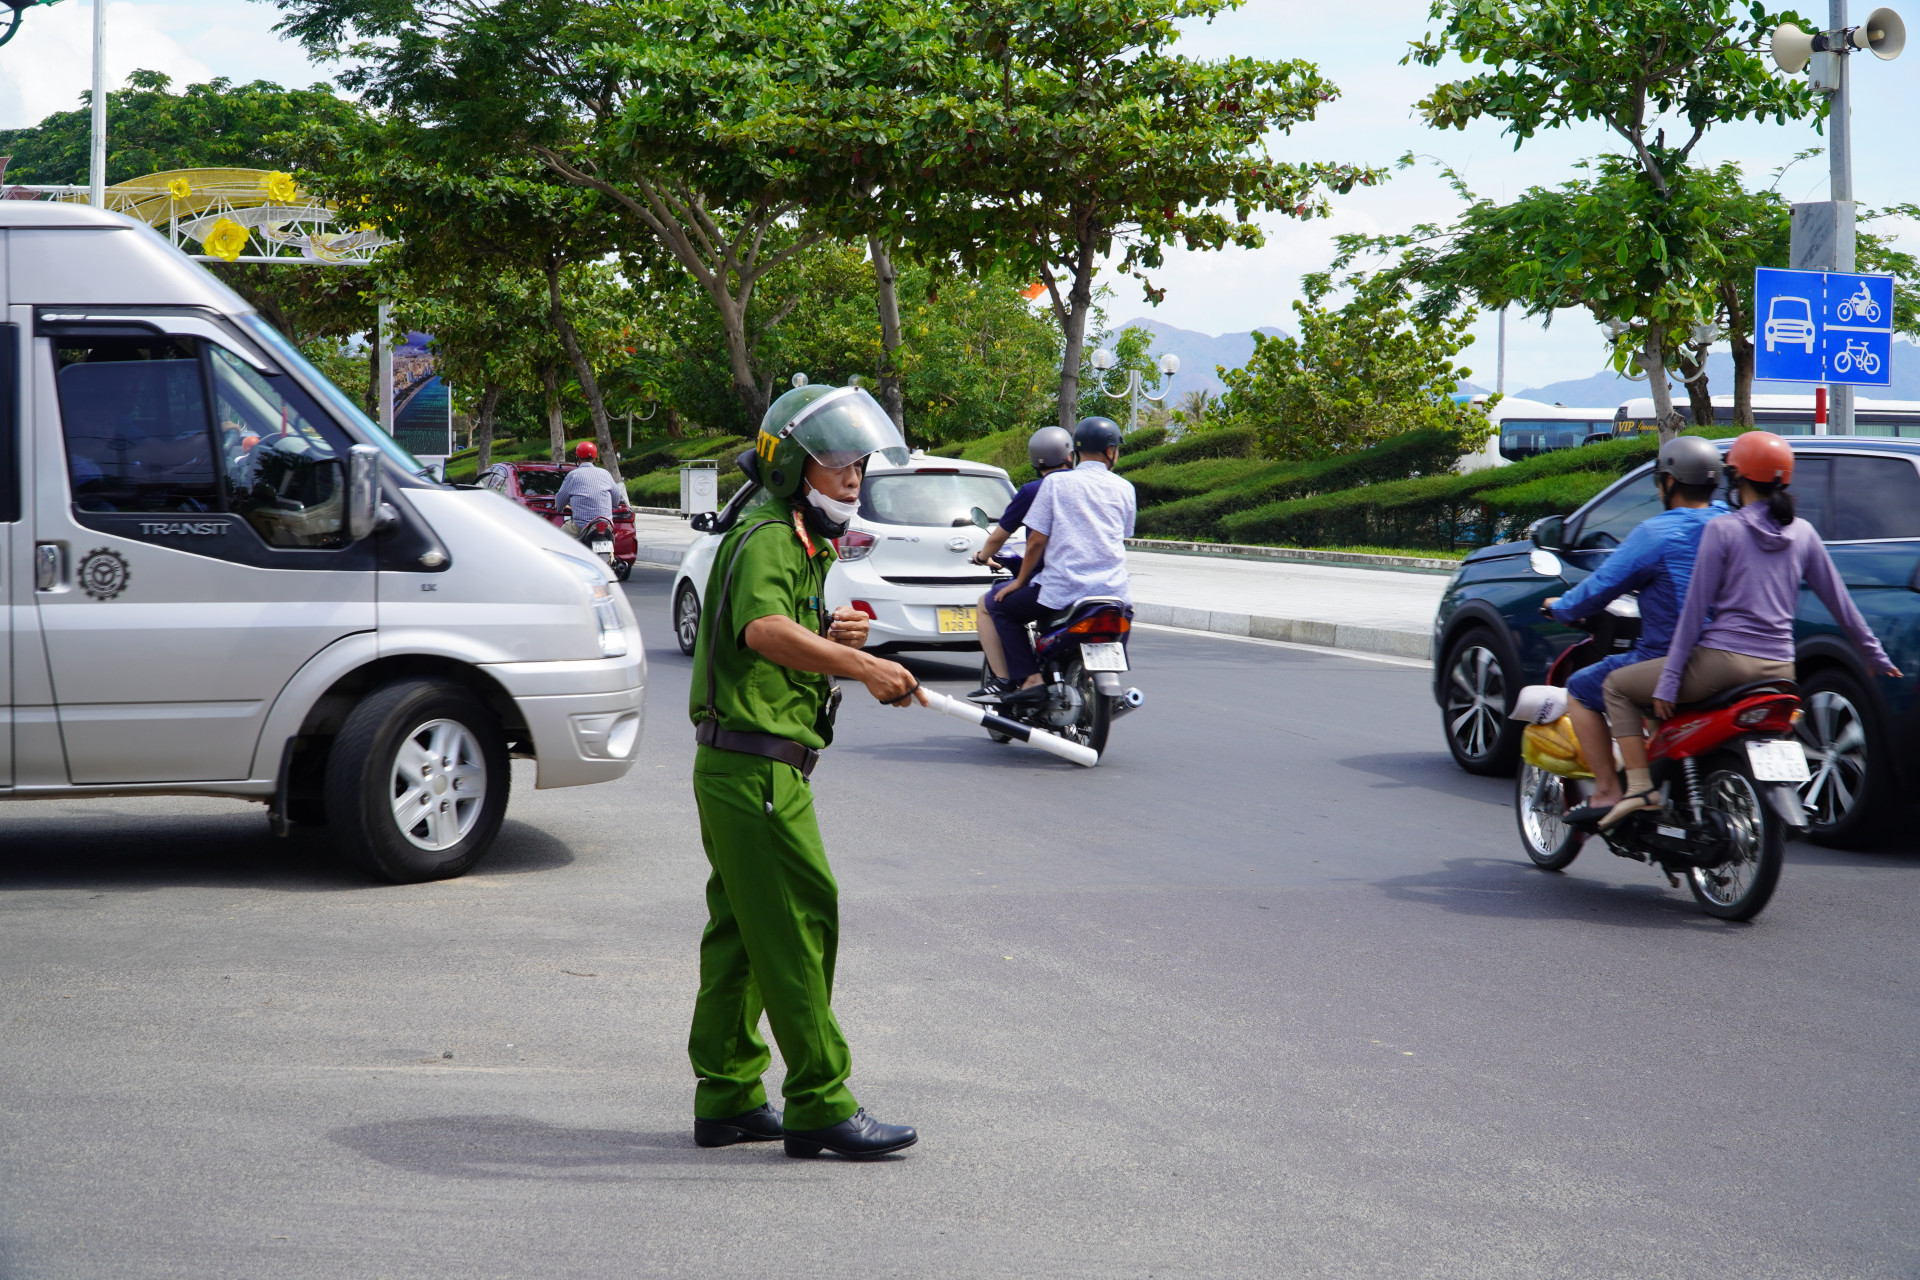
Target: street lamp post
{"x": 97, "y": 166}
{"x": 1827, "y": 242}
{"x": 1104, "y": 359}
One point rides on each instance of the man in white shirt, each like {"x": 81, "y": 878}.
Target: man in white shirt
{"x": 1076, "y": 547}
{"x": 589, "y": 490}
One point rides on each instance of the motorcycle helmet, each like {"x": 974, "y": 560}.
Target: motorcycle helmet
{"x": 1762, "y": 457}
{"x": 1049, "y": 447}
{"x": 1689, "y": 460}
{"x": 1096, "y": 435}
{"x": 585, "y": 452}
{"x": 835, "y": 426}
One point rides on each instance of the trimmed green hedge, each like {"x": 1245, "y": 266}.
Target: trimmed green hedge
{"x": 1173, "y": 481}
{"x": 1202, "y": 516}
{"x": 1476, "y": 509}
{"x": 1229, "y": 442}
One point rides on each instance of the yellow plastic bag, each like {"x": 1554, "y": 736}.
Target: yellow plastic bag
{"x": 1554, "y": 748}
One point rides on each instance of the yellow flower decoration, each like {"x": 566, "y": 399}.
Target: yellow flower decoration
{"x": 280, "y": 188}
{"x": 226, "y": 241}
{"x": 179, "y": 188}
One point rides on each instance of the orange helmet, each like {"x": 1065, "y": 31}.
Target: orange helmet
{"x": 587, "y": 453}
{"x": 1762, "y": 457}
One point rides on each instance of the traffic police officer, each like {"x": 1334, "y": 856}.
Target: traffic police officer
{"x": 762, "y": 703}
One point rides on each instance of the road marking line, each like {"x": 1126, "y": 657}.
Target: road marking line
{"x": 1325, "y": 650}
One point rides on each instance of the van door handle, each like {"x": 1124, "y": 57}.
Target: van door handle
{"x": 46, "y": 566}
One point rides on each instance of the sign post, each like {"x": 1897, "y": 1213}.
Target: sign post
{"x": 1824, "y": 326}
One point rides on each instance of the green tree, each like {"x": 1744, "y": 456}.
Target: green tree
{"x": 1634, "y": 66}
{"x": 1355, "y": 376}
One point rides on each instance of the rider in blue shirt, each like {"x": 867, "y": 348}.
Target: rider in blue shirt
{"x": 1657, "y": 561}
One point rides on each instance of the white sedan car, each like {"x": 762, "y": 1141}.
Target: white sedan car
{"x": 906, "y": 559}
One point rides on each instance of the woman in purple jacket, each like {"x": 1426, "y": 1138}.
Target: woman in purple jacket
{"x": 1747, "y": 577}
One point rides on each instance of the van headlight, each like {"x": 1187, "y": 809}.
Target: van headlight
{"x": 613, "y": 633}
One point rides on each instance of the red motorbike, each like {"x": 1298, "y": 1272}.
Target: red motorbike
{"x": 1728, "y": 771}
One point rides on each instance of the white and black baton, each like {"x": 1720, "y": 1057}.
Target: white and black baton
{"x": 1052, "y": 744}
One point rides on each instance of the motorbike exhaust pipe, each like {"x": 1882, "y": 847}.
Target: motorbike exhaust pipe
{"x": 1050, "y": 743}
{"x": 1130, "y": 700}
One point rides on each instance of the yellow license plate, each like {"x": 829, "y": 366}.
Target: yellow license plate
{"x": 964, "y": 617}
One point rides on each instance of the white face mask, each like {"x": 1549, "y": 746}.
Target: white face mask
{"x": 835, "y": 511}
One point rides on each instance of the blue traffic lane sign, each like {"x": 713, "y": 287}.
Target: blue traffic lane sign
{"x": 1823, "y": 326}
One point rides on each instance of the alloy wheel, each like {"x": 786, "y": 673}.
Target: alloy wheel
{"x": 1476, "y": 701}
{"x": 439, "y": 784}
{"x": 686, "y": 619}
{"x": 1835, "y": 739}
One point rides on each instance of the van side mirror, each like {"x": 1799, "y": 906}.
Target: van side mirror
{"x": 1549, "y": 533}
{"x": 363, "y": 491}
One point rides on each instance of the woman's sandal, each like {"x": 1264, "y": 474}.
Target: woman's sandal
{"x": 1633, "y": 802}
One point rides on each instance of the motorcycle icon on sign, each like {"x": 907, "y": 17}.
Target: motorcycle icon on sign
{"x": 1860, "y": 306}
{"x": 1856, "y": 355}
{"x": 1790, "y": 323}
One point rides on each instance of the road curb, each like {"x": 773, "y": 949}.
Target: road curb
{"x": 1326, "y": 635}
{"x": 1296, "y": 555}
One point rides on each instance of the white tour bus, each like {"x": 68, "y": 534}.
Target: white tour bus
{"x": 1782, "y": 415}
{"x": 1527, "y": 427}
{"x": 226, "y": 581}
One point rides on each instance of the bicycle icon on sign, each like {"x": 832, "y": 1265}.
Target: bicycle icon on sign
{"x": 1860, "y": 306}
{"x": 1856, "y": 355}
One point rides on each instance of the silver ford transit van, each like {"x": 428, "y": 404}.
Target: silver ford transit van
{"x": 224, "y": 580}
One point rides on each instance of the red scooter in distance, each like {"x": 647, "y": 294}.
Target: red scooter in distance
{"x": 1728, "y": 771}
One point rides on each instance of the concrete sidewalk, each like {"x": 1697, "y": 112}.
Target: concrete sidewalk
{"x": 1374, "y": 610}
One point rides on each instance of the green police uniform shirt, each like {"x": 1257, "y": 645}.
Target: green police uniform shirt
{"x": 774, "y": 575}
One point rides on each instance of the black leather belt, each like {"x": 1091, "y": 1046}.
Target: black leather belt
{"x": 708, "y": 733}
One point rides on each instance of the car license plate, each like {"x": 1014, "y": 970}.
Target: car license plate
{"x": 603, "y": 548}
{"x": 1110, "y": 656}
{"x": 959, "y": 617}
{"x": 1783, "y": 761}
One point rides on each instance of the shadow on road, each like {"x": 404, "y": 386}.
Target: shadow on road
{"x": 73, "y": 846}
{"x": 488, "y": 1147}
{"x": 1517, "y": 890}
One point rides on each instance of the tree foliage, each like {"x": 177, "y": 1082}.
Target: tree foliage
{"x": 1356, "y": 375}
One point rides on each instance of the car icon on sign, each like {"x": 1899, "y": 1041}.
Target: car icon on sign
{"x": 1790, "y": 323}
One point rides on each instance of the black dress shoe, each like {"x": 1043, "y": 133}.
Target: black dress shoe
{"x": 762, "y": 1124}
{"x": 858, "y": 1137}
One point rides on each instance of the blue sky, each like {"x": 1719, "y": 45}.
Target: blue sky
{"x": 46, "y": 67}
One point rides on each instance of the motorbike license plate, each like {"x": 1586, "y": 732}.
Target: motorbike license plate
{"x": 1110, "y": 656}
{"x": 1783, "y": 761}
{"x": 959, "y": 618}
{"x": 603, "y": 548}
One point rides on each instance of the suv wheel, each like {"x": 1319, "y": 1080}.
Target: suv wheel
{"x": 1476, "y": 692}
{"x": 417, "y": 781}
{"x": 1847, "y": 796}
{"x": 686, "y": 617}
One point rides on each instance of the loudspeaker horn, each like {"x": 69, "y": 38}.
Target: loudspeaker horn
{"x": 1883, "y": 34}
{"x": 1792, "y": 47}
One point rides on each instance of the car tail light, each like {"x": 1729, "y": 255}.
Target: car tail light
{"x": 854, "y": 545}
{"x": 863, "y": 607}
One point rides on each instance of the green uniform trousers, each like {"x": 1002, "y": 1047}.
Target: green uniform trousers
{"x": 773, "y": 927}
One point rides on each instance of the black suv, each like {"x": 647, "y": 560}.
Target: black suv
{"x": 1861, "y": 732}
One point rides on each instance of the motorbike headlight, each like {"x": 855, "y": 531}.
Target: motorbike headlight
{"x": 613, "y": 633}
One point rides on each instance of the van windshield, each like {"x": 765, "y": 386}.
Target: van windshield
{"x": 337, "y": 400}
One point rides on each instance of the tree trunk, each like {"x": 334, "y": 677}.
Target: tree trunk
{"x": 1742, "y": 357}
{"x": 1654, "y": 360}
{"x": 373, "y": 373}
{"x": 892, "y": 397}
{"x": 1073, "y": 332}
{"x": 556, "y": 425}
{"x": 483, "y": 426}
{"x": 1699, "y": 397}
{"x": 583, "y": 370}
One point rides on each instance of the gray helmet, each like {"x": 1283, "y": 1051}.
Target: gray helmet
{"x": 1096, "y": 435}
{"x": 1049, "y": 447}
{"x": 1689, "y": 460}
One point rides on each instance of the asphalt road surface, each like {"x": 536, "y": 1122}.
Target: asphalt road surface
{"x": 1271, "y": 992}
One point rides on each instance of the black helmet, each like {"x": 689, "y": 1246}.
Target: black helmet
{"x": 1096, "y": 435}
{"x": 1049, "y": 447}
{"x": 1689, "y": 460}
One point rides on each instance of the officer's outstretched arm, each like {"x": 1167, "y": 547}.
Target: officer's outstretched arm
{"x": 781, "y": 640}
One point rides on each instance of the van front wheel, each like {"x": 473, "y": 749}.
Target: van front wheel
{"x": 417, "y": 781}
